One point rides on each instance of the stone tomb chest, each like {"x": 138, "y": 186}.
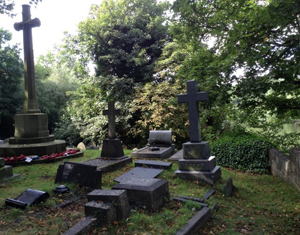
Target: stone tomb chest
{"x": 160, "y": 145}
{"x": 145, "y": 192}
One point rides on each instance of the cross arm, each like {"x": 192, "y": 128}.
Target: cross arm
{"x": 32, "y": 23}
{"x": 199, "y": 96}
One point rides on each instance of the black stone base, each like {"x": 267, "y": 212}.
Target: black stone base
{"x": 112, "y": 148}
{"x": 162, "y": 153}
{"x": 210, "y": 177}
{"x": 197, "y": 164}
{"x": 40, "y": 149}
{"x": 196, "y": 150}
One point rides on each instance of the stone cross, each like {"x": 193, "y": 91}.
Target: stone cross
{"x": 30, "y": 102}
{"x": 111, "y": 112}
{"x": 192, "y": 97}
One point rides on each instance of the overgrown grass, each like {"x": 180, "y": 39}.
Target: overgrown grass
{"x": 261, "y": 204}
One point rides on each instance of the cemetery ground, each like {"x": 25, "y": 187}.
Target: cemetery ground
{"x": 260, "y": 204}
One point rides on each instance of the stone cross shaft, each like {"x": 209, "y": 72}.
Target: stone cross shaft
{"x": 30, "y": 102}
{"x": 191, "y": 98}
{"x": 111, "y": 112}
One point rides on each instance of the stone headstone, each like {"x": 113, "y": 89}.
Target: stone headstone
{"x": 160, "y": 138}
{"x": 27, "y": 198}
{"x": 81, "y": 174}
{"x": 228, "y": 187}
{"x": 145, "y": 193}
{"x": 103, "y": 212}
{"x": 139, "y": 172}
{"x": 153, "y": 164}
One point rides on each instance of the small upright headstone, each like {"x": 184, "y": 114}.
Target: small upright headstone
{"x": 228, "y": 187}
{"x": 197, "y": 164}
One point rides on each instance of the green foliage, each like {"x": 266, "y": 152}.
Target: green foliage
{"x": 11, "y": 71}
{"x": 125, "y": 37}
{"x": 244, "y": 152}
{"x": 261, "y": 37}
{"x": 7, "y": 6}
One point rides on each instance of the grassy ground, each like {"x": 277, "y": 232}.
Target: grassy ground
{"x": 261, "y": 204}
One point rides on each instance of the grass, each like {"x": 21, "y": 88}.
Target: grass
{"x": 260, "y": 204}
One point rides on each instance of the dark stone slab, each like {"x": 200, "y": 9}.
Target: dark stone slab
{"x": 83, "y": 227}
{"x": 211, "y": 192}
{"x": 145, "y": 192}
{"x": 5, "y": 172}
{"x": 178, "y": 155}
{"x": 160, "y": 138}
{"x": 153, "y": 164}
{"x": 146, "y": 152}
{"x": 112, "y": 148}
{"x": 103, "y": 212}
{"x": 228, "y": 187}
{"x": 139, "y": 172}
{"x": 197, "y": 150}
{"x": 108, "y": 164}
{"x": 191, "y": 198}
{"x": 81, "y": 174}
{"x": 195, "y": 223}
{"x": 27, "y": 198}
{"x": 207, "y": 176}
{"x": 117, "y": 198}
{"x": 197, "y": 164}
{"x": 185, "y": 200}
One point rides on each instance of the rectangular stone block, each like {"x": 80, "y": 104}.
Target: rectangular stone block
{"x": 112, "y": 148}
{"x": 103, "y": 212}
{"x": 197, "y": 164}
{"x": 161, "y": 153}
{"x": 83, "y": 227}
{"x": 160, "y": 138}
{"x": 196, "y": 150}
{"x": 207, "y": 176}
{"x": 117, "y": 198}
{"x": 139, "y": 172}
{"x": 144, "y": 191}
{"x": 6, "y": 171}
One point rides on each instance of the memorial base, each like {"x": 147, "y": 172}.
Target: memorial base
{"x": 210, "y": 177}
{"x": 112, "y": 148}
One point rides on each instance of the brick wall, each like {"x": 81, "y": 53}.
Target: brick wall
{"x": 286, "y": 166}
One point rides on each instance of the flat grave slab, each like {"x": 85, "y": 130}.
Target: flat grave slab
{"x": 145, "y": 192}
{"x": 158, "y": 152}
{"x": 178, "y": 155}
{"x": 108, "y": 165}
{"x": 139, "y": 172}
{"x": 153, "y": 164}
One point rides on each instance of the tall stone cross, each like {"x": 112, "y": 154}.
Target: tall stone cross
{"x": 191, "y": 98}
{"x": 30, "y": 102}
{"x": 111, "y": 112}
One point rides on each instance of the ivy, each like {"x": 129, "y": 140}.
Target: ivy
{"x": 246, "y": 153}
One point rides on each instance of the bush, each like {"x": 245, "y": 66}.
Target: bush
{"x": 246, "y": 152}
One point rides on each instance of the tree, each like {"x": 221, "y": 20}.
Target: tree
{"x": 11, "y": 95}
{"x": 261, "y": 37}
{"x": 126, "y": 37}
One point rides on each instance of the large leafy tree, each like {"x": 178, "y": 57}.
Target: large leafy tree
{"x": 261, "y": 37}
{"x": 126, "y": 37}
{"x": 11, "y": 72}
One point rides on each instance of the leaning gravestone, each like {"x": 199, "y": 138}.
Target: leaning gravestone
{"x": 5, "y": 171}
{"x": 31, "y": 126}
{"x": 197, "y": 164}
{"x": 160, "y": 145}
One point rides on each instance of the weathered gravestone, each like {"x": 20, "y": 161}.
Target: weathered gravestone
{"x": 5, "y": 171}
{"x": 153, "y": 164}
{"x": 160, "y": 145}
{"x": 139, "y": 172}
{"x": 31, "y": 126}
{"x": 145, "y": 193}
{"x": 27, "y": 198}
{"x": 197, "y": 164}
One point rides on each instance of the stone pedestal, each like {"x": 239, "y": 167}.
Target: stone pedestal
{"x": 32, "y": 137}
{"x": 112, "y": 148}
{"x": 197, "y": 164}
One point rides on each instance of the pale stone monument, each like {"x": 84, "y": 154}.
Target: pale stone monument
{"x": 197, "y": 164}
{"x": 31, "y": 126}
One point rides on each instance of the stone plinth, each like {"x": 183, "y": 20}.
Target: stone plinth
{"x": 145, "y": 193}
{"x": 197, "y": 150}
{"x": 117, "y": 198}
{"x": 40, "y": 149}
{"x": 197, "y": 164}
{"x": 112, "y": 148}
{"x": 103, "y": 212}
{"x": 139, "y": 172}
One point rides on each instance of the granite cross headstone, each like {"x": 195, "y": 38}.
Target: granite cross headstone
{"x": 111, "y": 112}
{"x": 192, "y": 97}
{"x": 30, "y": 102}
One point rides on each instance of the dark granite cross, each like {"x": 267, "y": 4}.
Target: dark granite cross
{"x": 192, "y": 97}
{"x": 30, "y": 102}
{"x": 111, "y": 112}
